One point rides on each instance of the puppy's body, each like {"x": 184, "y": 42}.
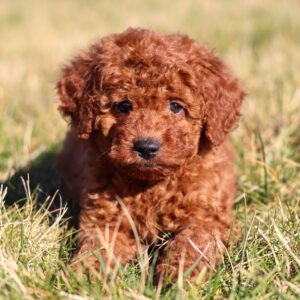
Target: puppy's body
{"x": 194, "y": 203}
{"x": 186, "y": 185}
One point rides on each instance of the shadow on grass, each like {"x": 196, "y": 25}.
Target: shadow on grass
{"x": 44, "y": 182}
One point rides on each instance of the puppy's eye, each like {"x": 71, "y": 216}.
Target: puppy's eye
{"x": 125, "y": 106}
{"x": 176, "y": 107}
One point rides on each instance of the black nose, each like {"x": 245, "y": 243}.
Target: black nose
{"x": 146, "y": 148}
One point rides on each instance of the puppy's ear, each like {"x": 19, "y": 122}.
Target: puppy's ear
{"x": 76, "y": 89}
{"x": 222, "y": 95}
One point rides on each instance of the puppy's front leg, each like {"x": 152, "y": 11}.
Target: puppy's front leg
{"x": 196, "y": 247}
{"x": 104, "y": 234}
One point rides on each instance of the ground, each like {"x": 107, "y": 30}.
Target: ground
{"x": 259, "y": 40}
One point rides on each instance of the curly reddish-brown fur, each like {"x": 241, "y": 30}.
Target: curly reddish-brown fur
{"x": 188, "y": 188}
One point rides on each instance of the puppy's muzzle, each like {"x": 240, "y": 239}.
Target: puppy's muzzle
{"x": 146, "y": 148}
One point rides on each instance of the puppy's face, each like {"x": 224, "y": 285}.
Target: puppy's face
{"x": 150, "y": 128}
{"x": 145, "y": 98}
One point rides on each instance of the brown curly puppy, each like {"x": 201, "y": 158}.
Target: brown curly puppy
{"x": 148, "y": 150}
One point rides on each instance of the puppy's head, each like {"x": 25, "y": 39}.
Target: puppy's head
{"x": 144, "y": 99}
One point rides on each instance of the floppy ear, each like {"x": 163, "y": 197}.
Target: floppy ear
{"x": 76, "y": 89}
{"x": 222, "y": 95}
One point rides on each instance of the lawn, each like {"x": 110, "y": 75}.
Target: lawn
{"x": 260, "y": 41}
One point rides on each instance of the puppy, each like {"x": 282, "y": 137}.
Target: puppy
{"x": 148, "y": 151}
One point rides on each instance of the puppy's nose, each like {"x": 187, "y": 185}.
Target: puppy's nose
{"x": 146, "y": 148}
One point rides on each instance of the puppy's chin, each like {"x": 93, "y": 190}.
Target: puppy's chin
{"x": 146, "y": 171}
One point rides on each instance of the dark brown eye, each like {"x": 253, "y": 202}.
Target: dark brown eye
{"x": 176, "y": 107}
{"x": 125, "y": 106}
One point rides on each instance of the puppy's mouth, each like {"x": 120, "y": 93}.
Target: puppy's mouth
{"x": 148, "y": 170}
{"x": 141, "y": 165}
{"x": 147, "y": 165}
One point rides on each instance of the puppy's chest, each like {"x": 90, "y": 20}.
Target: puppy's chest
{"x": 156, "y": 213}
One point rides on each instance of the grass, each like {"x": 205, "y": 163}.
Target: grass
{"x": 260, "y": 41}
